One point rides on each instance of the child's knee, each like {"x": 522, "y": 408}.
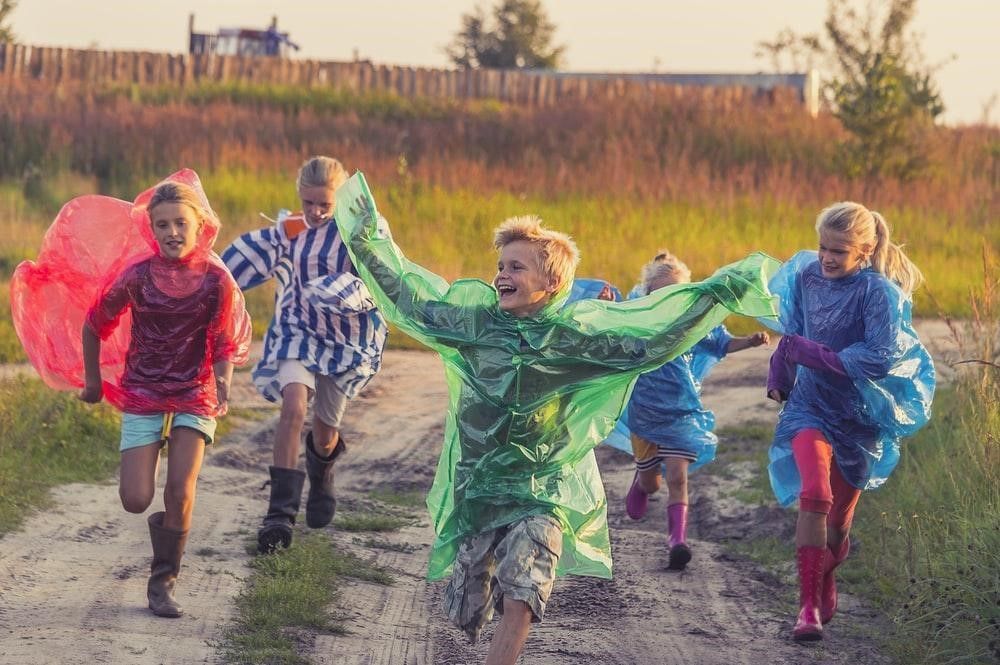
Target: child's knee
{"x": 293, "y": 411}
{"x": 135, "y": 500}
{"x": 677, "y": 474}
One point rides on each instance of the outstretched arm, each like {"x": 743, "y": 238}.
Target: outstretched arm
{"x": 748, "y": 342}
{"x": 409, "y": 296}
{"x": 649, "y": 331}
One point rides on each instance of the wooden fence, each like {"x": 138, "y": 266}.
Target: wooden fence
{"x": 537, "y": 88}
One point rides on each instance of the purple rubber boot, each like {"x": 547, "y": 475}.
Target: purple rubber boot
{"x": 636, "y": 501}
{"x": 677, "y": 521}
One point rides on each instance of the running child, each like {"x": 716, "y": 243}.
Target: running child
{"x": 856, "y": 379}
{"x": 534, "y": 386}
{"x": 324, "y": 344}
{"x": 668, "y": 423}
{"x": 189, "y": 327}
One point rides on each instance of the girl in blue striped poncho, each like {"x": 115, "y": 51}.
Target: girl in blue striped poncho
{"x": 324, "y": 342}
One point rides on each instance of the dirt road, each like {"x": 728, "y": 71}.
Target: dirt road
{"x": 72, "y": 582}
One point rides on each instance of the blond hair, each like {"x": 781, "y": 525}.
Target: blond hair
{"x": 867, "y": 228}
{"x": 557, "y": 251}
{"x": 178, "y": 192}
{"x": 321, "y": 172}
{"x": 663, "y": 266}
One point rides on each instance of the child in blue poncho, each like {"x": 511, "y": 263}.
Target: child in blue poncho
{"x": 669, "y": 426}
{"x": 856, "y": 379}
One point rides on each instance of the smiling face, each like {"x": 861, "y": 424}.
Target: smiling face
{"x": 839, "y": 255}
{"x": 175, "y": 227}
{"x": 317, "y": 204}
{"x": 521, "y": 281}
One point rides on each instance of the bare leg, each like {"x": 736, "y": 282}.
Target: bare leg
{"x": 137, "y": 476}
{"x": 649, "y": 480}
{"x": 325, "y": 437}
{"x": 508, "y": 640}
{"x": 289, "y": 431}
{"x": 184, "y": 456}
{"x": 677, "y": 480}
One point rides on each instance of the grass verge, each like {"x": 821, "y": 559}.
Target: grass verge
{"x": 48, "y": 438}
{"x": 288, "y": 599}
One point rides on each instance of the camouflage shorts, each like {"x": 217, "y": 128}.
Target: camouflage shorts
{"x": 517, "y": 562}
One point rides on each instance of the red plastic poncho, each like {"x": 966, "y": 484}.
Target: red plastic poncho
{"x": 163, "y": 323}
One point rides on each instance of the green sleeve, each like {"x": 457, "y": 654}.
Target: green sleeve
{"x": 412, "y": 298}
{"x": 649, "y": 331}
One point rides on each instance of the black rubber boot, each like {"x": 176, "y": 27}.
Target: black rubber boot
{"x": 321, "y": 504}
{"x": 286, "y": 494}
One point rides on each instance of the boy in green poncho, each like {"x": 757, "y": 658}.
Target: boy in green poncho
{"x": 534, "y": 386}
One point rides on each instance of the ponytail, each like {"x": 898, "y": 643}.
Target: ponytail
{"x": 888, "y": 258}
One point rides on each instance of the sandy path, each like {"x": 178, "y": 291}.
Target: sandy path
{"x": 72, "y": 582}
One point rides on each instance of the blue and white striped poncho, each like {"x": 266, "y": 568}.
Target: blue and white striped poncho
{"x": 324, "y": 315}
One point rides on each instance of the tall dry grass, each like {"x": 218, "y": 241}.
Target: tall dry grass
{"x": 930, "y": 540}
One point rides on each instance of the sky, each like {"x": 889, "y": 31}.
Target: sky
{"x": 705, "y": 36}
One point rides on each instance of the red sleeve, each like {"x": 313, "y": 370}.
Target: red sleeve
{"x": 231, "y": 331}
{"x": 104, "y": 314}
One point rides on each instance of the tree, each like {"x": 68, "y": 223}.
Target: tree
{"x": 519, "y": 36}
{"x": 880, "y": 88}
{"x": 6, "y": 32}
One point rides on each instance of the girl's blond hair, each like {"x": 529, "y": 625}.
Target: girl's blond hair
{"x": 663, "y": 265}
{"x": 867, "y": 228}
{"x": 179, "y": 192}
{"x": 558, "y": 252}
{"x": 321, "y": 172}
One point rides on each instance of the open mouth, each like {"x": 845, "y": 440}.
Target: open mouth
{"x": 505, "y": 290}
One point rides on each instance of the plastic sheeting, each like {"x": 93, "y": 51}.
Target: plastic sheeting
{"x": 890, "y": 380}
{"x": 588, "y": 287}
{"x": 529, "y": 398}
{"x": 665, "y": 407}
{"x": 100, "y": 253}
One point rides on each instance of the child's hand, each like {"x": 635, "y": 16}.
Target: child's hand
{"x": 222, "y": 394}
{"x": 759, "y": 339}
{"x": 776, "y": 395}
{"x": 91, "y": 393}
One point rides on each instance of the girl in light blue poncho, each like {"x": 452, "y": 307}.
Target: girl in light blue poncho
{"x": 669, "y": 426}
{"x": 856, "y": 379}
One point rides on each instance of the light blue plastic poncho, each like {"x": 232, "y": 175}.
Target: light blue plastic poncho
{"x": 529, "y": 398}
{"x": 889, "y": 386}
{"x": 665, "y": 407}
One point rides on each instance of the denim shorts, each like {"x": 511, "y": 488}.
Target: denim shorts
{"x": 142, "y": 430}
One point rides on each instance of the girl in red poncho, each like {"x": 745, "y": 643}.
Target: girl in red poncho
{"x": 189, "y": 326}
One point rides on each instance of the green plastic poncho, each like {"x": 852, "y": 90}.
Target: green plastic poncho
{"x": 529, "y": 398}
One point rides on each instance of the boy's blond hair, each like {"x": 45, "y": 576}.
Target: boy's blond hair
{"x": 557, "y": 251}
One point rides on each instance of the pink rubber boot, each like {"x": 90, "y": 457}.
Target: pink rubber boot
{"x": 812, "y": 565}
{"x": 677, "y": 520}
{"x": 828, "y": 597}
{"x": 636, "y": 501}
